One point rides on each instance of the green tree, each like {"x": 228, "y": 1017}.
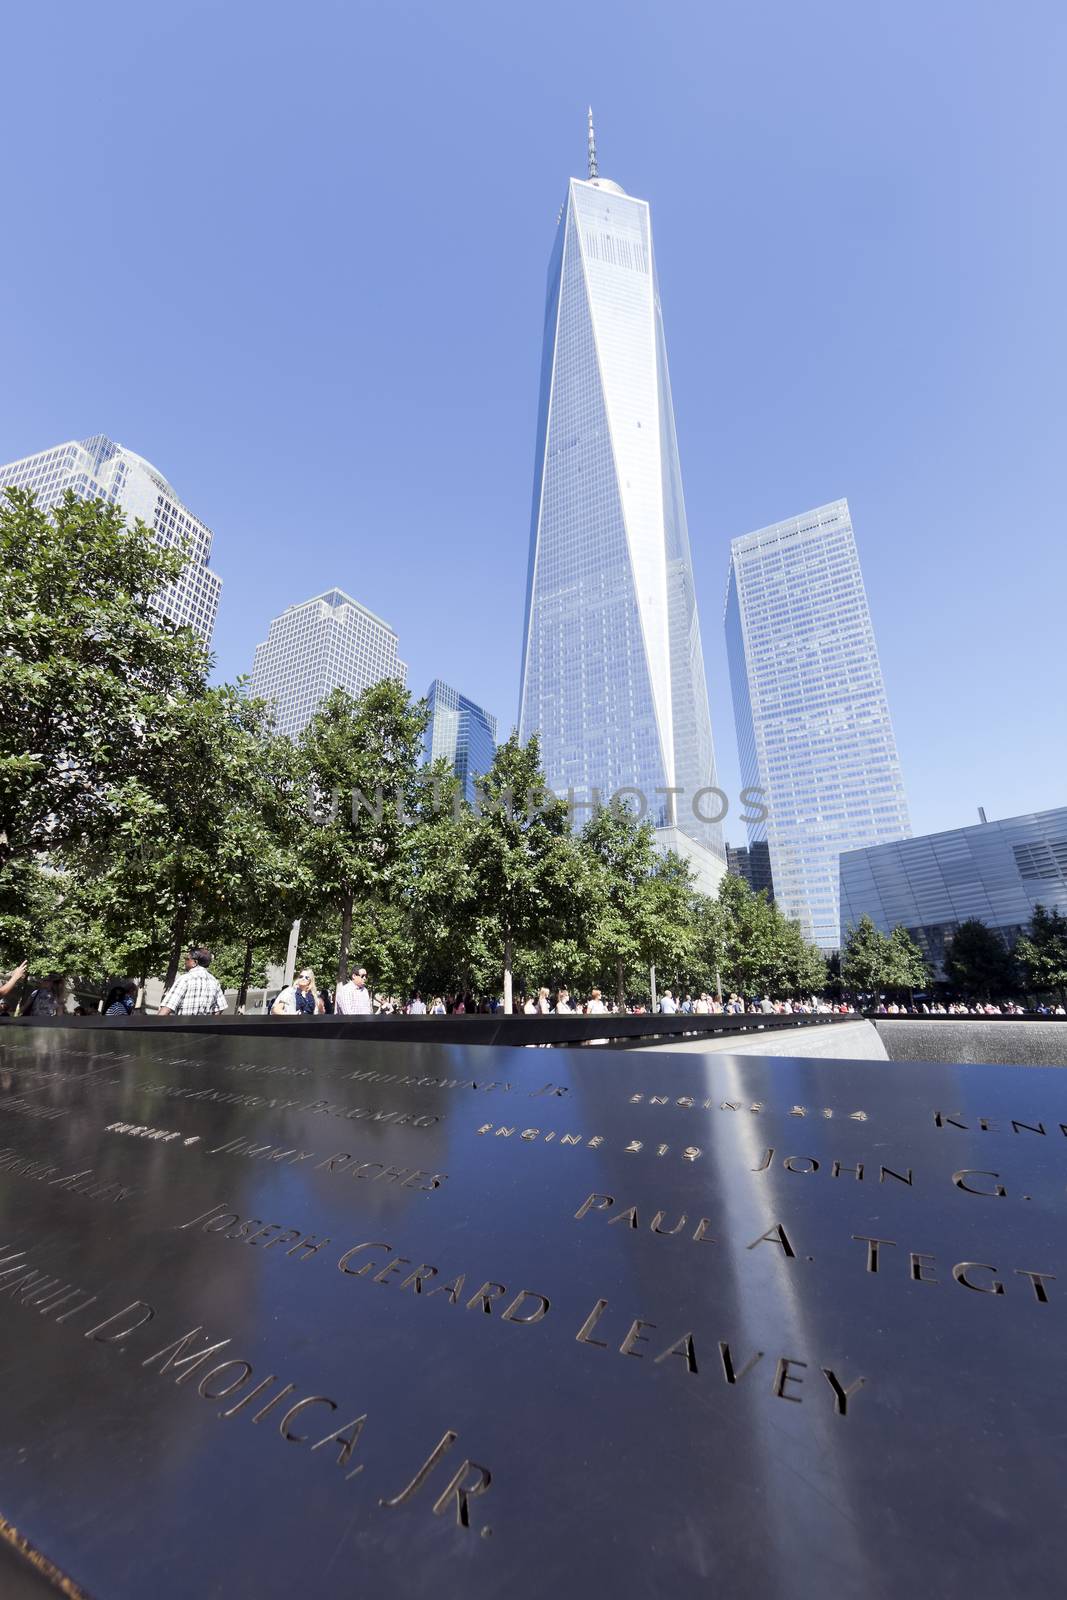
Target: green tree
{"x": 84, "y": 661}
{"x": 800, "y": 968}
{"x": 29, "y": 915}
{"x": 907, "y": 962}
{"x": 1042, "y": 951}
{"x": 709, "y": 917}
{"x": 757, "y": 950}
{"x": 751, "y": 938}
{"x": 622, "y": 855}
{"x": 978, "y": 962}
{"x": 176, "y": 860}
{"x": 261, "y": 881}
{"x": 867, "y": 964}
{"x": 832, "y": 978}
{"x": 362, "y": 763}
{"x": 665, "y": 928}
{"x": 526, "y": 875}
{"x": 443, "y": 938}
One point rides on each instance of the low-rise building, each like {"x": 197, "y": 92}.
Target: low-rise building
{"x": 996, "y": 872}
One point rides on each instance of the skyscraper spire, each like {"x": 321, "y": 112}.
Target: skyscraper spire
{"x": 593, "y": 172}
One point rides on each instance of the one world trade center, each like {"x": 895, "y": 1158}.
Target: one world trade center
{"x": 612, "y": 667}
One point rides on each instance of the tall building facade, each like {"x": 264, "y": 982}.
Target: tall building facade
{"x": 813, "y": 727}
{"x": 752, "y": 862}
{"x": 998, "y": 872}
{"x": 612, "y": 668}
{"x": 461, "y": 733}
{"x": 325, "y": 643}
{"x": 99, "y": 469}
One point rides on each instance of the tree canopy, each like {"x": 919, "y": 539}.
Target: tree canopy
{"x": 979, "y": 964}
{"x": 85, "y": 663}
{"x": 1042, "y": 953}
{"x": 143, "y": 807}
{"x": 873, "y": 962}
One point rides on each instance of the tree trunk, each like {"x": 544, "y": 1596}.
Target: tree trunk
{"x": 242, "y": 993}
{"x": 509, "y": 958}
{"x": 176, "y": 944}
{"x": 346, "y": 938}
{"x": 620, "y": 986}
{"x": 652, "y": 986}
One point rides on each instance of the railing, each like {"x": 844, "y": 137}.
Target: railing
{"x": 614, "y": 1031}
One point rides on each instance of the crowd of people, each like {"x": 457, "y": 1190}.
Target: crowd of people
{"x": 197, "y": 992}
{"x": 961, "y": 1008}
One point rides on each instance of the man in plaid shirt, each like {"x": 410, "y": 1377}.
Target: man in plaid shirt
{"x": 195, "y": 993}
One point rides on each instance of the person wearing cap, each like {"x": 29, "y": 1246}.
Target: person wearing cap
{"x": 194, "y": 993}
{"x": 352, "y": 998}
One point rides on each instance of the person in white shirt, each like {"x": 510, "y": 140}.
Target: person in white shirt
{"x": 416, "y": 1005}
{"x": 596, "y": 1006}
{"x": 668, "y": 1006}
{"x": 352, "y": 998}
{"x": 194, "y": 993}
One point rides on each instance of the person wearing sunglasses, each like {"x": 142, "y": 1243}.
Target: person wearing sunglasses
{"x": 300, "y": 999}
{"x": 352, "y": 998}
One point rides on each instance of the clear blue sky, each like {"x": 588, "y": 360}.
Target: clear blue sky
{"x": 295, "y": 255}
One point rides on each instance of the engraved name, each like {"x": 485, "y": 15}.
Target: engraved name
{"x": 970, "y": 1180}
{"x": 920, "y": 1266}
{"x": 257, "y": 1102}
{"x": 527, "y": 1307}
{"x": 954, "y": 1119}
{"x": 17, "y": 1105}
{"x": 341, "y": 1161}
{"x": 687, "y": 1354}
{"x": 807, "y": 1166}
{"x": 83, "y": 1183}
{"x": 366, "y": 1075}
{"x": 191, "y": 1355}
{"x": 231, "y": 1226}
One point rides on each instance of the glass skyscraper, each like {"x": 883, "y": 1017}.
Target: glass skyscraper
{"x": 99, "y": 469}
{"x": 813, "y": 728}
{"x": 461, "y": 732}
{"x": 328, "y": 642}
{"x": 612, "y": 667}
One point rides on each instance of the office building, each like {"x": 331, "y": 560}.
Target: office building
{"x": 612, "y": 675}
{"x": 996, "y": 872}
{"x": 813, "y": 727}
{"x": 753, "y": 863}
{"x": 325, "y": 643}
{"x": 461, "y": 733}
{"x": 99, "y": 469}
